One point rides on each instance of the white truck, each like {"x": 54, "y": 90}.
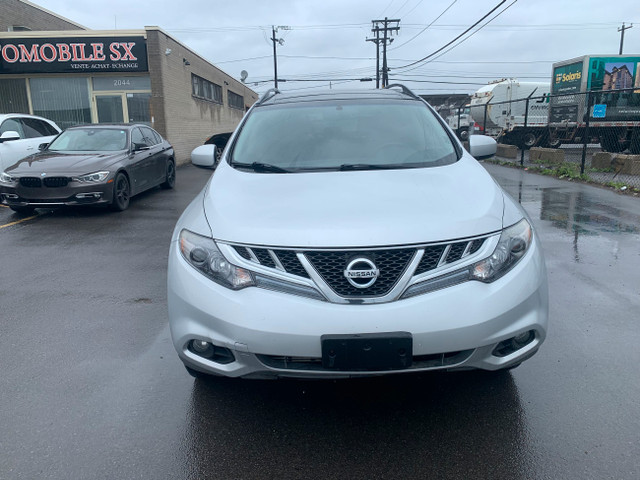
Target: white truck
{"x": 505, "y": 103}
{"x": 459, "y": 121}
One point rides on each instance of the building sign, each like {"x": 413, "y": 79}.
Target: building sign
{"x": 568, "y": 78}
{"x": 73, "y": 55}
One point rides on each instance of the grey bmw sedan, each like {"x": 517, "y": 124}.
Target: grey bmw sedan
{"x": 90, "y": 165}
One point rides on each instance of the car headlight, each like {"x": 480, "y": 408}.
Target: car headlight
{"x": 6, "y": 178}
{"x": 203, "y": 255}
{"x": 513, "y": 244}
{"x": 91, "y": 177}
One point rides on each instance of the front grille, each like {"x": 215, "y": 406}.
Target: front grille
{"x": 436, "y": 360}
{"x": 430, "y": 258}
{"x": 263, "y": 257}
{"x": 290, "y": 262}
{"x": 55, "y": 182}
{"x": 30, "y": 182}
{"x": 331, "y": 266}
{"x": 456, "y": 251}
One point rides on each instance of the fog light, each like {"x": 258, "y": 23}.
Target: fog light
{"x": 209, "y": 351}
{"x": 202, "y": 348}
{"x": 507, "y": 347}
{"x": 523, "y": 339}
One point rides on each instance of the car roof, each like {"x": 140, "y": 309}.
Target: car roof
{"x": 4, "y": 116}
{"x": 126, "y": 126}
{"x": 274, "y": 97}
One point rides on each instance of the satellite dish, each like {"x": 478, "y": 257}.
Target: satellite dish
{"x": 243, "y": 75}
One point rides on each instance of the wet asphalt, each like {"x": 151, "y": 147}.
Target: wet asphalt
{"x": 90, "y": 386}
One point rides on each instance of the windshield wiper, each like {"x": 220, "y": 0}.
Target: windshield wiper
{"x": 367, "y": 166}
{"x": 260, "y": 167}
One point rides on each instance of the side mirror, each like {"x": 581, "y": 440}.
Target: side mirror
{"x": 481, "y": 146}
{"x": 9, "y": 135}
{"x": 204, "y": 155}
{"x": 43, "y": 146}
{"x": 137, "y": 147}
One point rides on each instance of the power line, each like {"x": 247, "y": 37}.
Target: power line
{"x": 425, "y": 28}
{"x": 472, "y": 34}
{"x": 416, "y": 6}
{"x": 455, "y": 39}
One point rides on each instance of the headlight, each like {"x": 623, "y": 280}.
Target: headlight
{"x": 6, "y": 178}
{"x": 203, "y": 255}
{"x": 92, "y": 177}
{"x": 513, "y": 244}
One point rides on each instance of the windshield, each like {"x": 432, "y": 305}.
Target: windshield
{"x": 342, "y": 135}
{"x": 90, "y": 140}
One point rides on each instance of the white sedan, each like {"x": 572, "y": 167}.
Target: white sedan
{"x": 21, "y": 135}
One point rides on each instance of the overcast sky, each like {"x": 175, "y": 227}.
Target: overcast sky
{"x": 326, "y": 39}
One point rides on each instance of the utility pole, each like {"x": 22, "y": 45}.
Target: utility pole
{"x": 387, "y": 27}
{"x": 280, "y": 41}
{"x": 621, "y": 30}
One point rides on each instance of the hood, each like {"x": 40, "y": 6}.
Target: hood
{"x": 57, "y": 163}
{"x": 353, "y": 208}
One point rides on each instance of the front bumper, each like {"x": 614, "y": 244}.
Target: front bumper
{"x": 269, "y": 332}
{"x": 74, "y": 194}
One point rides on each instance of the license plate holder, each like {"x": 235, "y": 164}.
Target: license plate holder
{"x": 367, "y": 351}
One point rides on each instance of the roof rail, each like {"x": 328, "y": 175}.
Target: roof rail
{"x": 405, "y": 90}
{"x": 267, "y": 95}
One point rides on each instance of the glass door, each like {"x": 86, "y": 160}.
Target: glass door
{"x": 109, "y": 108}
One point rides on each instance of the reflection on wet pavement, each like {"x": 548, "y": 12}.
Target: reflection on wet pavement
{"x": 407, "y": 426}
{"x": 598, "y": 224}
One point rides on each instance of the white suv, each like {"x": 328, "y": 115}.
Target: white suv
{"x": 349, "y": 234}
{"x": 21, "y": 135}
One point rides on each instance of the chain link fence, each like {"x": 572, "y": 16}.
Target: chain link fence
{"x": 593, "y": 136}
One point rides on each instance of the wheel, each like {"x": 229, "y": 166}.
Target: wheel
{"x": 23, "y": 210}
{"x": 549, "y": 141}
{"x": 170, "y": 178}
{"x": 217, "y": 156}
{"x": 611, "y": 143}
{"x": 121, "y": 192}
{"x": 463, "y": 134}
{"x": 527, "y": 140}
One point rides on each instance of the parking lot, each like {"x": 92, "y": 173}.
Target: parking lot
{"x": 91, "y": 386}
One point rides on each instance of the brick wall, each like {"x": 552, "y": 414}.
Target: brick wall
{"x": 184, "y": 120}
{"x": 27, "y": 14}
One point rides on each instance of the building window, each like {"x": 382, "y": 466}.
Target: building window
{"x": 13, "y": 96}
{"x": 65, "y": 100}
{"x": 19, "y": 28}
{"x": 235, "y": 100}
{"x": 205, "y": 89}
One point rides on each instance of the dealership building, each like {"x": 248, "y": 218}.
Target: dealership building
{"x": 55, "y": 68}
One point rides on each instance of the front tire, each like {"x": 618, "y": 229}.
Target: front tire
{"x": 170, "y": 176}
{"x": 612, "y": 144}
{"x": 121, "y": 193}
{"x": 527, "y": 140}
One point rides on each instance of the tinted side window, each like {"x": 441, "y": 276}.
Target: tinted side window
{"x": 37, "y": 128}
{"x": 157, "y": 136}
{"x": 12, "y": 125}
{"x": 137, "y": 138}
{"x": 149, "y": 137}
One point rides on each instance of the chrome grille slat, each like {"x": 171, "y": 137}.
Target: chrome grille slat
{"x": 399, "y": 267}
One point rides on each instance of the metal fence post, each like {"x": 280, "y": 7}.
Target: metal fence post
{"x": 484, "y": 121}
{"x": 526, "y": 119}
{"x": 585, "y": 137}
